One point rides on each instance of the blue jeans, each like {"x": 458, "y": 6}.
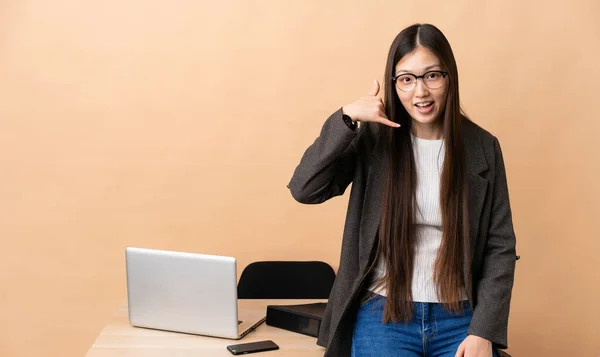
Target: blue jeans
{"x": 433, "y": 331}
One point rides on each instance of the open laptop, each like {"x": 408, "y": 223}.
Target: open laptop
{"x": 186, "y": 292}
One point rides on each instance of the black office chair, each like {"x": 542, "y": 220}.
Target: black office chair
{"x": 286, "y": 280}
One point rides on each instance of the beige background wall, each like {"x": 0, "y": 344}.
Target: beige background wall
{"x": 177, "y": 125}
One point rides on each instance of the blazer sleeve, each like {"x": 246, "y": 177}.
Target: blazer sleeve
{"x": 490, "y": 316}
{"x": 327, "y": 167}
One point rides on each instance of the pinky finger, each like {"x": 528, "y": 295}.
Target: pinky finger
{"x": 388, "y": 122}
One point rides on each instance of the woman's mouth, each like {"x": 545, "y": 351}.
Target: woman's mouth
{"x": 424, "y": 107}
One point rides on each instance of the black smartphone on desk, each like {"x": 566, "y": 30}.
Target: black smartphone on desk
{"x": 245, "y": 348}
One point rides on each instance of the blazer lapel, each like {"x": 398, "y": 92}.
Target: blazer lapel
{"x": 374, "y": 190}
{"x": 476, "y": 165}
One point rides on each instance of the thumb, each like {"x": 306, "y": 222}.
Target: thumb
{"x": 374, "y": 88}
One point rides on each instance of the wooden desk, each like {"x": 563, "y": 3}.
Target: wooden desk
{"x": 119, "y": 338}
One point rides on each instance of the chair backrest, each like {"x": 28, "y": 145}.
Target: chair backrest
{"x": 286, "y": 280}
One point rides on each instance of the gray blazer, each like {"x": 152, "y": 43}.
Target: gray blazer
{"x": 340, "y": 156}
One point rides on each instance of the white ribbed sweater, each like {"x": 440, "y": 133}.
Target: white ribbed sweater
{"x": 429, "y": 159}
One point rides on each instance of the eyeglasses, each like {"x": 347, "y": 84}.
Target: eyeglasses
{"x": 408, "y": 81}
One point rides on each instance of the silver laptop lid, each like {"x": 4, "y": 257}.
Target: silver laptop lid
{"x": 182, "y": 292}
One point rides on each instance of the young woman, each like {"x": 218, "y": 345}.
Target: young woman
{"x": 428, "y": 253}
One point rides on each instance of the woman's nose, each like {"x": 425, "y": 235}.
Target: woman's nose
{"x": 421, "y": 89}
